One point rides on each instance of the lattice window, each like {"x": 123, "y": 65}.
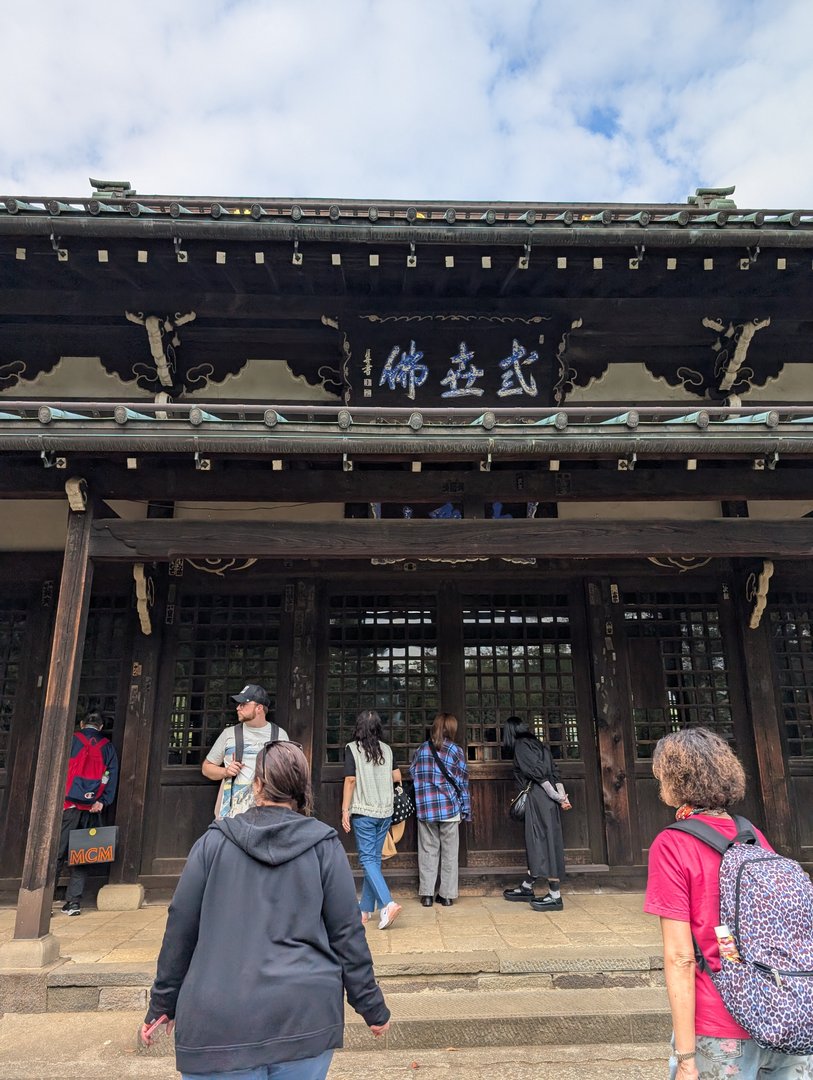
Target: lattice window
{"x": 519, "y": 662}
{"x": 12, "y": 631}
{"x": 103, "y": 655}
{"x": 383, "y": 656}
{"x": 791, "y": 621}
{"x": 694, "y": 669}
{"x": 224, "y": 642}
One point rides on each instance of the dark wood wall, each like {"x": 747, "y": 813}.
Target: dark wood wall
{"x": 602, "y": 661}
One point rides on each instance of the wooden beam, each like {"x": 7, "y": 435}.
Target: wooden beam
{"x": 556, "y": 538}
{"x": 39, "y": 865}
{"x": 253, "y": 481}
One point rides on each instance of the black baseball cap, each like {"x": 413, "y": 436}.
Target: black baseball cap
{"x": 252, "y": 692}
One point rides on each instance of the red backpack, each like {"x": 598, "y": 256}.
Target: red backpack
{"x": 87, "y": 772}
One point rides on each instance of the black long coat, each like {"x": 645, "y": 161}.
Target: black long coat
{"x": 543, "y": 824}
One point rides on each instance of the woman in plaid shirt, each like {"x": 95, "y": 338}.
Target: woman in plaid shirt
{"x": 441, "y": 802}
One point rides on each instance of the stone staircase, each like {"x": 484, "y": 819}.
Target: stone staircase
{"x": 463, "y": 999}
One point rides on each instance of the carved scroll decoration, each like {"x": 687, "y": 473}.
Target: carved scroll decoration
{"x": 756, "y": 592}
{"x": 731, "y": 347}
{"x": 145, "y": 597}
{"x": 221, "y": 567}
{"x": 683, "y": 563}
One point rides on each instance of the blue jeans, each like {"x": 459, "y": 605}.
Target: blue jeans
{"x": 371, "y": 833}
{"x": 314, "y": 1068}
{"x": 742, "y": 1059}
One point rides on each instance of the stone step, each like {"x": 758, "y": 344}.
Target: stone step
{"x": 539, "y": 1017}
{"x": 74, "y": 987}
{"x": 58, "y": 1045}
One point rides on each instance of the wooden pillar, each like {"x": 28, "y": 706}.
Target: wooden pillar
{"x": 758, "y": 675}
{"x": 39, "y": 865}
{"x": 296, "y": 713}
{"x": 613, "y": 723}
{"x": 25, "y": 726}
{"x": 136, "y": 748}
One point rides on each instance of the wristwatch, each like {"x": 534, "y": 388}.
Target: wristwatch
{"x": 685, "y": 1057}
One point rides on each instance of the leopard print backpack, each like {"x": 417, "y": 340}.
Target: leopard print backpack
{"x": 766, "y": 901}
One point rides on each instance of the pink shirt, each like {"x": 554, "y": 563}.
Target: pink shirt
{"x": 683, "y": 885}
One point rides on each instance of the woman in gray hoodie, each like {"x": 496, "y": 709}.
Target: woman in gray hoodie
{"x": 263, "y": 939}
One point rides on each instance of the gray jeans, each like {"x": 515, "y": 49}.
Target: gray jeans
{"x": 438, "y": 842}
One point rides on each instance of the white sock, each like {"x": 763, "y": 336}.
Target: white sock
{"x": 554, "y": 894}
{"x": 528, "y": 883}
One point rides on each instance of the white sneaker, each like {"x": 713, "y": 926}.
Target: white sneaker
{"x": 365, "y": 917}
{"x": 388, "y": 915}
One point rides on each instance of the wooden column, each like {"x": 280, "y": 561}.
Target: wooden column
{"x": 296, "y": 714}
{"x": 37, "y": 887}
{"x": 768, "y": 743}
{"x": 134, "y": 769}
{"x": 25, "y": 726}
{"x": 613, "y": 724}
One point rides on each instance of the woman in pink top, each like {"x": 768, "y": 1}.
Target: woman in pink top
{"x": 701, "y": 776}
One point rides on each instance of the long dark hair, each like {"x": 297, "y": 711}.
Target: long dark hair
{"x": 368, "y": 735}
{"x": 514, "y": 728}
{"x": 444, "y": 727}
{"x": 284, "y": 776}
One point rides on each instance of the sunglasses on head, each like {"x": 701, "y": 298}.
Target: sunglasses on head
{"x": 283, "y": 742}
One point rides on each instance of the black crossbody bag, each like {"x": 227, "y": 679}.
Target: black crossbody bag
{"x": 442, "y": 768}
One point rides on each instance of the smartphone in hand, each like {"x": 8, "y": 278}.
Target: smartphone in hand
{"x": 148, "y": 1031}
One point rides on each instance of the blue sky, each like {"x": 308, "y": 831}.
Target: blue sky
{"x": 599, "y": 100}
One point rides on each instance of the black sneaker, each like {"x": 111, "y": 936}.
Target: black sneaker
{"x": 520, "y": 894}
{"x": 547, "y": 903}
{"x": 72, "y": 908}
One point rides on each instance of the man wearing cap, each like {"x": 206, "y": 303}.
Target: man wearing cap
{"x": 233, "y": 756}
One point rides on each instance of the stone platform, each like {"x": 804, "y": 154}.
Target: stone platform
{"x": 483, "y": 973}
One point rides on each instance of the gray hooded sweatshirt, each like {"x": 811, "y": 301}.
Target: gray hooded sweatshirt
{"x": 263, "y": 935}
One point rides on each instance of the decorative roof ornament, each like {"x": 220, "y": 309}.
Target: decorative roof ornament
{"x": 112, "y": 189}
{"x": 711, "y": 198}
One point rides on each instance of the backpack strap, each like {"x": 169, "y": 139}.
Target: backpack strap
{"x": 82, "y": 738}
{"x": 745, "y": 831}
{"x": 238, "y": 742}
{"x": 701, "y": 831}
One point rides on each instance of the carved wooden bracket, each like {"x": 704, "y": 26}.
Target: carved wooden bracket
{"x": 756, "y": 592}
{"x": 145, "y": 596}
{"x": 77, "y": 491}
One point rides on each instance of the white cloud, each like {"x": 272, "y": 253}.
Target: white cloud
{"x": 413, "y": 99}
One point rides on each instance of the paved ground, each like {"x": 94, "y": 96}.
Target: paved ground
{"x": 55, "y": 1046}
{"x": 591, "y": 919}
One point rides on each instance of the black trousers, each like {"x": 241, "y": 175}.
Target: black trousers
{"x": 73, "y": 818}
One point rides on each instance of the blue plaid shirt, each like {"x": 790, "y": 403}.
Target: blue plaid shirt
{"x": 435, "y": 798}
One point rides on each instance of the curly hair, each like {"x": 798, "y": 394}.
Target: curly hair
{"x": 699, "y": 768}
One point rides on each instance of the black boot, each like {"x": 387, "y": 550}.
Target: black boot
{"x": 520, "y": 895}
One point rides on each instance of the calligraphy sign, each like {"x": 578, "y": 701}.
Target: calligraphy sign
{"x": 454, "y": 360}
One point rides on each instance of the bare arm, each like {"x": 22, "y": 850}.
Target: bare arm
{"x": 220, "y": 772}
{"x": 396, "y": 776}
{"x": 679, "y": 969}
{"x": 347, "y": 795}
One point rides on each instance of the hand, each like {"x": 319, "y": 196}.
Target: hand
{"x": 148, "y": 1040}
{"x": 566, "y": 805}
{"x": 97, "y": 807}
{"x": 232, "y": 768}
{"x": 346, "y": 820}
{"x": 379, "y": 1029}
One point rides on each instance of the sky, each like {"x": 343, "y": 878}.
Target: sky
{"x": 517, "y": 100}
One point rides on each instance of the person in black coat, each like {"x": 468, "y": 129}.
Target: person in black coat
{"x": 264, "y": 938}
{"x": 534, "y": 765}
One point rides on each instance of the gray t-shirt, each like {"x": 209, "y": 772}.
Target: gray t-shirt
{"x": 254, "y": 739}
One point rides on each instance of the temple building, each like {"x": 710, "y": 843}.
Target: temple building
{"x": 544, "y": 460}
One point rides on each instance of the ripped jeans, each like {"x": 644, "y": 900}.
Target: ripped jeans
{"x": 743, "y": 1059}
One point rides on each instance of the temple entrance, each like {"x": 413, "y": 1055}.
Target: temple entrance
{"x": 484, "y": 657}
